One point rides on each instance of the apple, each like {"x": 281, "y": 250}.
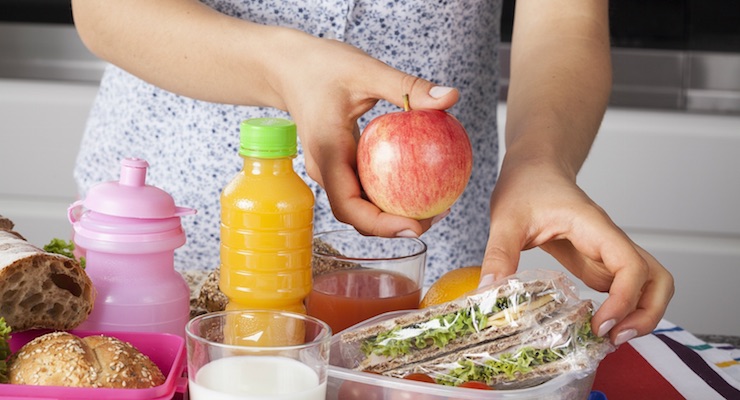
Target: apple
{"x": 414, "y": 163}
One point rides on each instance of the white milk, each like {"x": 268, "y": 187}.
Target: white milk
{"x": 256, "y": 378}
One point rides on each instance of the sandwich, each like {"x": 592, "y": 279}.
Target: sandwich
{"x": 41, "y": 289}
{"x": 559, "y": 344}
{"x": 4, "y": 349}
{"x": 521, "y": 333}
{"x": 483, "y": 316}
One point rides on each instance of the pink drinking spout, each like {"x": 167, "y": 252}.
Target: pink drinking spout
{"x": 133, "y": 172}
{"x": 129, "y": 197}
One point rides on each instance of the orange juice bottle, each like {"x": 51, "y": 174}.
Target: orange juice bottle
{"x": 266, "y": 222}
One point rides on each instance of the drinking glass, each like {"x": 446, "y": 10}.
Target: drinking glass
{"x": 357, "y": 277}
{"x": 257, "y": 355}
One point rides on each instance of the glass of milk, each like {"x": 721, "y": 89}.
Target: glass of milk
{"x": 257, "y": 355}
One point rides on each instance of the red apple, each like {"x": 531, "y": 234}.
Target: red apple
{"x": 414, "y": 163}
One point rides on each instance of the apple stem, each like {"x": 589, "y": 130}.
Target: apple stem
{"x": 406, "y": 102}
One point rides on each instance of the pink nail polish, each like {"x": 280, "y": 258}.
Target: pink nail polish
{"x": 625, "y": 336}
{"x": 407, "y": 233}
{"x": 605, "y": 327}
{"x": 439, "y": 91}
{"x": 440, "y": 217}
{"x": 486, "y": 280}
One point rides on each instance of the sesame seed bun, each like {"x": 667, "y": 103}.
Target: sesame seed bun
{"x": 63, "y": 359}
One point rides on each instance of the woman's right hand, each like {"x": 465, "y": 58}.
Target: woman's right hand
{"x": 326, "y": 87}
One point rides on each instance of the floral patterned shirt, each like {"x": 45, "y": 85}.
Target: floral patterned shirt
{"x": 192, "y": 145}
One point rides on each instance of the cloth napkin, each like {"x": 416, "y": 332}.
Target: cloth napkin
{"x": 668, "y": 364}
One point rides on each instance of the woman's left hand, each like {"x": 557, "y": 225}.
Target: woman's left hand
{"x": 536, "y": 206}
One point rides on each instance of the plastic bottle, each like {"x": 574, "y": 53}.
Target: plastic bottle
{"x": 266, "y": 222}
{"x": 128, "y": 232}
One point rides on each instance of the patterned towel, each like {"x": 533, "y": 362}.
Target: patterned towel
{"x": 670, "y": 363}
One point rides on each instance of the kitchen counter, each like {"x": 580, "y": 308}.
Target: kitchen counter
{"x": 721, "y": 339}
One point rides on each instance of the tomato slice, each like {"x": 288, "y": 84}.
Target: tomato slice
{"x": 359, "y": 391}
{"x": 420, "y": 377}
{"x": 475, "y": 385}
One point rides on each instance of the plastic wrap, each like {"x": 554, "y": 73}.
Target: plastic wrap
{"x": 517, "y": 333}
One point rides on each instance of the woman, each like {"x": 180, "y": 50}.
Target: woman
{"x": 185, "y": 73}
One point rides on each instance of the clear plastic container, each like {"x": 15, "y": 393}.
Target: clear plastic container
{"x": 348, "y": 384}
{"x": 527, "y": 336}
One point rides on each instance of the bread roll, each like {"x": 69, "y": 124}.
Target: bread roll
{"x": 63, "y": 359}
{"x": 40, "y": 289}
{"x": 5, "y": 223}
{"x": 211, "y": 298}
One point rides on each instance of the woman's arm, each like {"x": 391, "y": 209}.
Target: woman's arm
{"x": 184, "y": 47}
{"x": 559, "y": 90}
{"x": 560, "y": 80}
{"x": 190, "y": 49}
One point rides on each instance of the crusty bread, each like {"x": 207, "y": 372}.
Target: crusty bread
{"x": 211, "y": 298}
{"x": 40, "y": 289}
{"x": 5, "y": 223}
{"x": 63, "y": 359}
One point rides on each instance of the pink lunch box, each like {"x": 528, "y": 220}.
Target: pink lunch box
{"x": 166, "y": 350}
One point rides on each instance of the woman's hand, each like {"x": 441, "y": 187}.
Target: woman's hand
{"x": 534, "y": 206}
{"x": 326, "y": 87}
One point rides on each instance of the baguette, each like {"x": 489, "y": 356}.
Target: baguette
{"x": 40, "y": 289}
{"x": 63, "y": 359}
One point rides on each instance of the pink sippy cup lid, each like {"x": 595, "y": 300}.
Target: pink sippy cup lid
{"x": 131, "y": 197}
{"x": 128, "y": 216}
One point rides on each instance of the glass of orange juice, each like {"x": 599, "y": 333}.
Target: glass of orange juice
{"x": 357, "y": 277}
{"x": 257, "y": 355}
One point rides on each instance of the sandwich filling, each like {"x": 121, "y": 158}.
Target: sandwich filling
{"x": 4, "y": 350}
{"x": 511, "y": 365}
{"x": 440, "y": 331}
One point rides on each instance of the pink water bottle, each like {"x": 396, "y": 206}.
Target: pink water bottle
{"x": 128, "y": 232}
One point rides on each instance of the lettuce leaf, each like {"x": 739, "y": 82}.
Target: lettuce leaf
{"x": 520, "y": 361}
{"x": 65, "y": 248}
{"x": 438, "y": 331}
{"x": 4, "y": 350}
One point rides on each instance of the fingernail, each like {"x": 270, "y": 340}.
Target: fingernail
{"x": 605, "y": 327}
{"x": 439, "y": 91}
{"x": 407, "y": 233}
{"x": 625, "y": 336}
{"x": 486, "y": 280}
{"x": 440, "y": 217}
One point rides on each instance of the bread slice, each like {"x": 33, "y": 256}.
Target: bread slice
{"x": 63, "y": 359}
{"x": 40, "y": 289}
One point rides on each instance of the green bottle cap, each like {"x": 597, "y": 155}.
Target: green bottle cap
{"x": 268, "y": 138}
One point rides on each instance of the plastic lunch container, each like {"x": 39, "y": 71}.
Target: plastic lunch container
{"x": 348, "y": 384}
{"x": 165, "y": 350}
